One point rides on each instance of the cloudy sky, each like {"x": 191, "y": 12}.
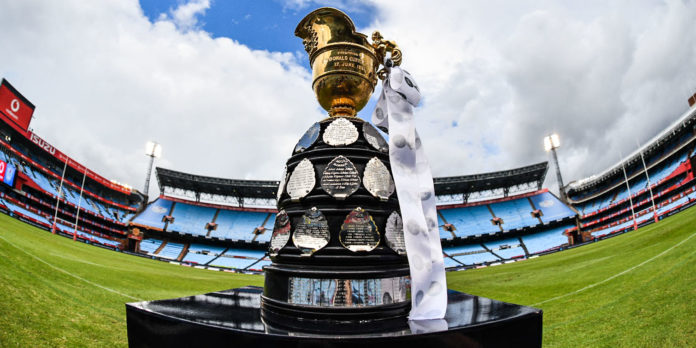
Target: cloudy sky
{"x": 224, "y": 86}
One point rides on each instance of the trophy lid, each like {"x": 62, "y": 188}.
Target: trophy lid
{"x": 328, "y": 25}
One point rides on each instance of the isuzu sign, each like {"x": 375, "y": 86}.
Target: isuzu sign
{"x": 42, "y": 143}
{"x": 15, "y": 110}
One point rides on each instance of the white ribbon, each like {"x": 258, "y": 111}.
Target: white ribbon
{"x": 414, "y": 186}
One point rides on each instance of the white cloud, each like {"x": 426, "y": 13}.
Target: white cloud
{"x": 105, "y": 80}
{"x": 601, "y": 74}
{"x": 185, "y": 16}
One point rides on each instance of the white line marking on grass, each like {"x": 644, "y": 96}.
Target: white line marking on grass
{"x": 615, "y": 275}
{"x": 71, "y": 274}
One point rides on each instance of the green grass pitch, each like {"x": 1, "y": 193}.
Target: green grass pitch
{"x": 634, "y": 290}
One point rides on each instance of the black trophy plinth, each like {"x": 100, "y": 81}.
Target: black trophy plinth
{"x": 338, "y": 176}
{"x": 233, "y": 318}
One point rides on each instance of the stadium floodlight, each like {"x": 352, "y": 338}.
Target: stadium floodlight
{"x": 153, "y": 150}
{"x": 551, "y": 143}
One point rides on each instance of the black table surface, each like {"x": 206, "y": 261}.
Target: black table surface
{"x": 233, "y": 318}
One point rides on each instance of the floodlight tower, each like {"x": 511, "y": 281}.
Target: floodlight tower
{"x": 153, "y": 150}
{"x": 551, "y": 143}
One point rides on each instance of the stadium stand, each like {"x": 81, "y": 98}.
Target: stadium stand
{"x": 470, "y": 254}
{"x": 202, "y": 254}
{"x": 181, "y": 213}
{"x": 547, "y": 240}
{"x": 551, "y": 207}
{"x": 96, "y": 239}
{"x": 609, "y": 207}
{"x": 215, "y": 222}
{"x": 25, "y": 213}
{"x": 237, "y": 258}
{"x": 506, "y": 249}
{"x": 470, "y": 221}
{"x": 36, "y": 195}
{"x": 484, "y": 218}
{"x": 476, "y": 219}
{"x": 516, "y": 214}
{"x": 150, "y": 245}
{"x": 191, "y": 219}
{"x": 215, "y": 219}
{"x": 171, "y": 251}
{"x": 238, "y": 225}
{"x": 153, "y": 215}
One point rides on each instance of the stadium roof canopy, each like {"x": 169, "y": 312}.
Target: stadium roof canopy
{"x": 529, "y": 176}
{"x": 685, "y": 124}
{"x": 216, "y": 186}
{"x": 501, "y": 182}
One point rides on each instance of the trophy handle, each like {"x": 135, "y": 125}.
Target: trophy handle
{"x": 382, "y": 47}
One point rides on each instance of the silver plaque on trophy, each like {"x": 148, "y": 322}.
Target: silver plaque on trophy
{"x": 312, "y": 291}
{"x": 378, "y": 180}
{"x": 359, "y": 231}
{"x": 374, "y": 138}
{"x": 281, "y": 187}
{"x": 394, "y": 234}
{"x": 302, "y": 180}
{"x": 340, "y": 178}
{"x": 340, "y": 132}
{"x": 308, "y": 139}
{"x": 312, "y": 233}
{"x": 281, "y": 233}
{"x": 323, "y": 292}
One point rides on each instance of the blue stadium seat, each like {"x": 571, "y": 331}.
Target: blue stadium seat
{"x": 511, "y": 248}
{"x": 516, "y": 213}
{"x": 202, "y": 253}
{"x": 470, "y": 221}
{"x": 664, "y": 171}
{"x": 672, "y": 205}
{"x": 191, "y": 219}
{"x": 244, "y": 259}
{"x": 265, "y": 237}
{"x": 546, "y": 240}
{"x": 443, "y": 234}
{"x": 153, "y": 214}
{"x": 623, "y": 226}
{"x": 150, "y": 245}
{"x": 21, "y": 210}
{"x": 171, "y": 250}
{"x": 479, "y": 256}
{"x": 44, "y": 182}
{"x": 551, "y": 207}
{"x": 450, "y": 262}
{"x": 93, "y": 238}
{"x": 238, "y": 225}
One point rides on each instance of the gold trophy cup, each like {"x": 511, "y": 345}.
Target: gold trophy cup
{"x": 344, "y": 64}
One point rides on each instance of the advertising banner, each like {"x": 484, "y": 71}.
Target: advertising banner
{"x": 15, "y": 109}
{"x": 7, "y": 172}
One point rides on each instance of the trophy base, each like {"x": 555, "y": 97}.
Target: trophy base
{"x": 234, "y": 317}
{"x": 342, "y": 294}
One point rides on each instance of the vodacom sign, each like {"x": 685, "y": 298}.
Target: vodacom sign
{"x": 14, "y": 105}
{"x": 15, "y": 110}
